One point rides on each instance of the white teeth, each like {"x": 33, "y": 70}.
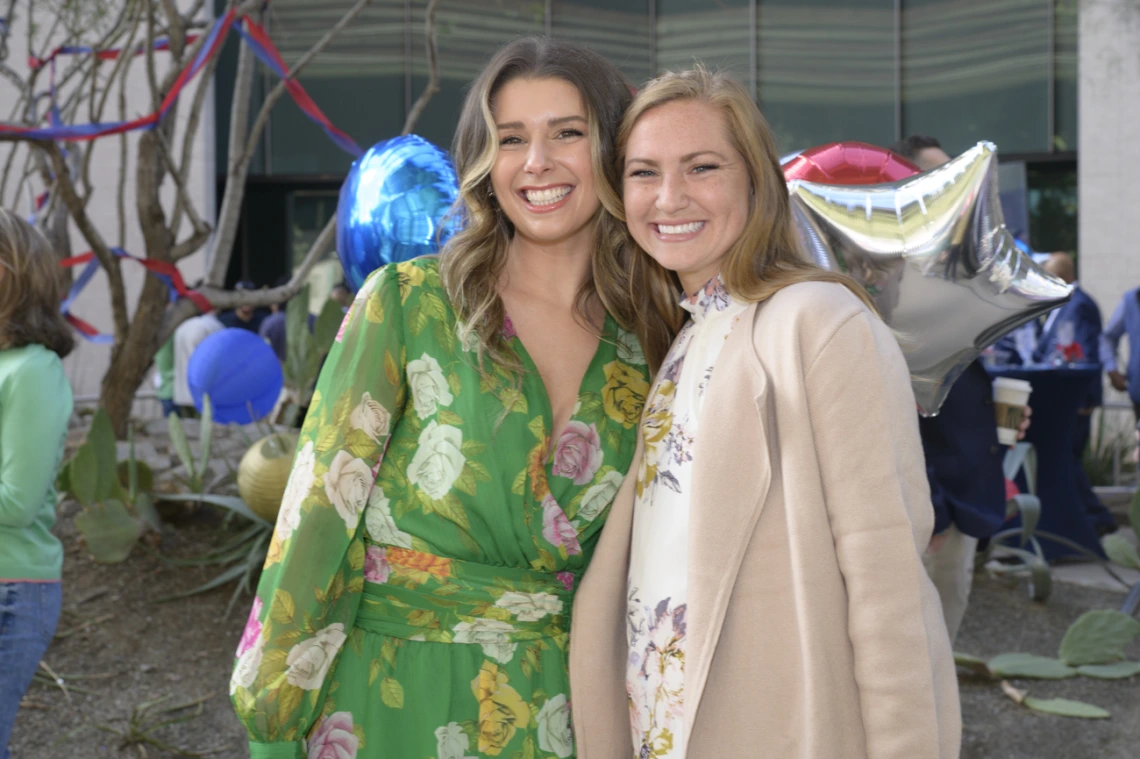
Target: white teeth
{"x": 546, "y": 197}
{"x": 680, "y": 229}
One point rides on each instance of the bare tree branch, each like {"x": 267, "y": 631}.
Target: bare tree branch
{"x": 240, "y": 157}
{"x": 234, "y": 192}
{"x": 184, "y": 201}
{"x": 151, "y": 74}
{"x": 225, "y": 299}
{"x": 193, "y": 121}
{"x": 91, "y": 234}
{"x": 191, "y": 244}
{"x": 433, "y": 65}
{"x": 280, "y": 89}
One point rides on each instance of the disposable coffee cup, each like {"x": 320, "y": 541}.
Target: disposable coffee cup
{"x": 1010, "y": 397}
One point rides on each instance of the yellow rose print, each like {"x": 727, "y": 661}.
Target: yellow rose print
{"x": 408, "y": 275}
{"x": 624, "y": 393}
{"x": 501, "y": 709}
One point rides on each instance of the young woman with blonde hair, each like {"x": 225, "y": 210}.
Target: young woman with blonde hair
{"x": 471, "y": 426}
{"x": 35, "y": 405}
{"x": 758, "y": 590}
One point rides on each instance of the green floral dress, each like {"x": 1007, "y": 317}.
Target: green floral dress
{"x": 416, "y": 598}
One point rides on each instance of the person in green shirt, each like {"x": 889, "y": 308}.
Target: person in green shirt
{"x": 470, "y": 429}
{"x": 35, "y": 405}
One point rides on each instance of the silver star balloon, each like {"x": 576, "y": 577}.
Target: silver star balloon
{"x": 934, "y": 253}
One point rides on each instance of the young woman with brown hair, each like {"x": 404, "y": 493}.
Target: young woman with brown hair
{"x": 470, "y": 428}
{"x": 758, "y": 590}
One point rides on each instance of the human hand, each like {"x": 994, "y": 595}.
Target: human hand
{"x": 1024, "y": 426}
{"x": 937, "y": 541}
{"x": 1118, "y": 380}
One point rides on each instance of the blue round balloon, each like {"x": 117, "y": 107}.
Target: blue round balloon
{"x": 394, "y": 206}
{"x": 239, "y": 371}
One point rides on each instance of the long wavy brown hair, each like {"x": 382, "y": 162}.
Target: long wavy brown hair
{"x": 31, "y": 289}
{"x": 768, "y": 255}
{"x": 472, "y": 261}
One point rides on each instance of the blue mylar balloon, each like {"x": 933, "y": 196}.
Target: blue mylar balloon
{"x": 238, "y": 370}
{"x": 393, "y": 206}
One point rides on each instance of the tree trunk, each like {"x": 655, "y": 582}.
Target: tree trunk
{"x": 131, "y": 362}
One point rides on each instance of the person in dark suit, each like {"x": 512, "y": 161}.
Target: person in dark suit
{"x": 963, "y": 459}
{"x": 1078, "y": 321}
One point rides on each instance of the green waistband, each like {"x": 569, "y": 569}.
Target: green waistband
{"x": 420, "y": 596}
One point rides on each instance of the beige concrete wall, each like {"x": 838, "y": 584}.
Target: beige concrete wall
{"x": 1109, "y": 152}
{"x": 86, "y": 365}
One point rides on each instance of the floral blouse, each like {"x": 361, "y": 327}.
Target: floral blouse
{"x": 658, "y": 564}
{"x": 416, "y": 596}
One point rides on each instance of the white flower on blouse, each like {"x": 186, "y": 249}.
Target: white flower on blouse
{"x": 301, "y": 481}
{"x": 371, "y": 418}
{"x": 492, "y": 634}
{"x": 439, "y": 460}
{"x": 554, "y": 732}
{"x": 246, "y": 670}
{"x": 380, "y": 524}
{"x": 347, "y": 484}
{"x": 429, "y": 386}
{"x": 599, "y": 496}
{"x": 451, "y": 742}
{"x": 309, "y": 661}
{"x": 530, "y": 607}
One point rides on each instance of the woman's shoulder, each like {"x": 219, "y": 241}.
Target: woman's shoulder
{"x": 807, "y": 315}
{"x": 818, "y": 302}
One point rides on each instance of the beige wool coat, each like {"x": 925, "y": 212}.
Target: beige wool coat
{"x": 813, "y": 631}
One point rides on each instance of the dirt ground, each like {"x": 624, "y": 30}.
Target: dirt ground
{"x": 139, "y": 651}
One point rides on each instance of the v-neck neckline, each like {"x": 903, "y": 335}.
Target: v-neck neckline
{"x": 530, "y": 367}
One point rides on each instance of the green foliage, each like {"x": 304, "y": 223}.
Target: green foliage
{"x": 305, "y": 349}
{"x": 117, "y": 508}
{"x": 109, "y": 530}
{"x": 1098, "y": 637}
{"x": 196, "y": 468}
{"x": 1028, "y": 665}
{"x": 1103, "y": 449}
{"x": 1115, "y": 671}
{"x": 241, "y": 558}
{"x": 1065, "y": 707}
{"x": 1121, "y": 550}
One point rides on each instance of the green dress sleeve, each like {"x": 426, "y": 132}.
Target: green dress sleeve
{"x": 310, "y": 590}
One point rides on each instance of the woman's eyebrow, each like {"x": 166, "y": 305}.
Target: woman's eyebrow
{"x": 553, "y": 122}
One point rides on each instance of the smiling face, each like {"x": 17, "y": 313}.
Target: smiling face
{"x": 686, "y": 189}
{"x": 543, "y": 175}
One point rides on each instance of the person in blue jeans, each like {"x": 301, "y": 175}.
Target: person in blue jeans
{"x": 35, "y": 405}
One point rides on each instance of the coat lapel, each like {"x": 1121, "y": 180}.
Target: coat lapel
{"x": 731, "y": 476}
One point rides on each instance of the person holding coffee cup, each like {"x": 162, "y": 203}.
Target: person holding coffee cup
{"x": 963, "y": 456}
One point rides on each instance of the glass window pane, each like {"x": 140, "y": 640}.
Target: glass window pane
{"x": 826, "y": 70}
{"x": 357, "y": 81}
{"x": 717, "y": 34}
{"x": 1053, "y": 207}
{"x": 1065, "y": 73}
{"x": 617, "y": 29}
{"x": 468, "y": 32}
{"x": 976, "y": 70}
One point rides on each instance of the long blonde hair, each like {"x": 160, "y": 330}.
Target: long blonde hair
{"x": 31, "y": 289}
{"x": 768, "y": 255}
{"x": 472, "y": 261}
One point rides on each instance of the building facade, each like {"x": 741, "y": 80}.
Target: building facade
{"x": 822, "y": 71}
